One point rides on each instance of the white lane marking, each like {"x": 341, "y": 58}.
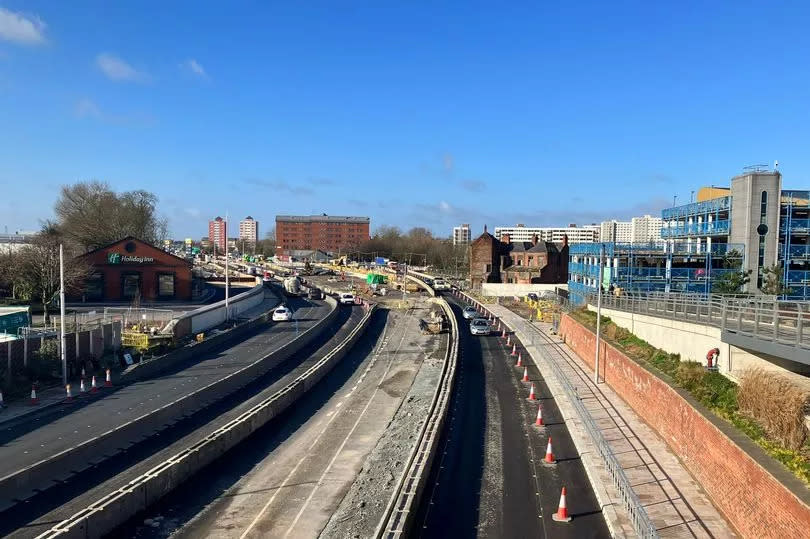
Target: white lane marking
{"x": 317, "y": 438}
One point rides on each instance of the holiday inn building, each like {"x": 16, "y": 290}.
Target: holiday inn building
{"x": 131, "y": 269}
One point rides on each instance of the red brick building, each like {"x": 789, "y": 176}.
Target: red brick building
{"x": 218, "y": 234}
{"x": 329, "y": 233}
{"x": 131, "y": 268}
{"x": 521, "y": 262}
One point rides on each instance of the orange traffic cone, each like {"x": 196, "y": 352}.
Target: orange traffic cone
{"x": 532, "y": 396}
{"x": 508, "y": 340}
{"x": 93, "y": 386}
{"x": 82, "y": 389}
{"x": 34, "y": 399}
{"x": 549, "y": 454}
{"x": 519, "y": 361}
{"x": 562, "y": 511}
{"x": 539, "y": 421}
{"x": 108, "y": 382}
{"x": 526, "y": 379}
{"x": 514, "y": 350}
{"x": 503, "y": 333}
{"x": 69, "y": 395}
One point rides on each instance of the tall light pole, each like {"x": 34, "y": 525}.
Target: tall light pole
{"x": 62, "y": 337}
{"x": 227, "y": 273}
{"x": 598, "y": 313}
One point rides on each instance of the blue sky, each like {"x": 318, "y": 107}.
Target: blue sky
{"x": 413, "y": 113}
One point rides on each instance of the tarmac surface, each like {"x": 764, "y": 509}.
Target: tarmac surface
{"x": 52, "y": 506}
{"x": 489, "y": 479}
{"x": 26, "y": 442}
{"x": 293, "y": 473}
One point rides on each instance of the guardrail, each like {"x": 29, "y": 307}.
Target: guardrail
{"x": 397, "y": 519}
{"x": 117, "y": 507}
{"x": 40, "y": 475}
{"x": 760, "y": 317}
{"x": 630, "y": 501}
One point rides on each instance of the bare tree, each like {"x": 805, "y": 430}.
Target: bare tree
{"x": 37, "y": 267}
{"x": 91, "y": 214}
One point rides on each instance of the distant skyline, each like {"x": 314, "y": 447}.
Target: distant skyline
{"x": 415, "y": 114}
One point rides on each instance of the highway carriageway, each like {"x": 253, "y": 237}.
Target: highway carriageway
{"x": 489, "y": 478}
{"x": 55, "y": 453}
{"x": 28, "y": 522}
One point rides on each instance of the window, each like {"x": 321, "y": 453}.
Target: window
{"x": 94, "y": 287}
{"x": 130, "y": 285}
{"x": 763, "y": 207}
{"x": 166, "y": 285}
{"x": 488, "y": 268}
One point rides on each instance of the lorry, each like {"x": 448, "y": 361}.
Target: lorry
{"x": 292, "y": 286}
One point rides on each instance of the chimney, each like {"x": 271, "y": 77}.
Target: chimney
{"x": 506, "y": 238}
{"x": 534, "y": 240}
{"x": 565, "y": 240}
{"x": 485, "y": 229}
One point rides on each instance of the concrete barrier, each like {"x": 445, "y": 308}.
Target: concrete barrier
{"x": 39, "y": 476}
{"x": 117, "y": 507}
{"x": 209, "y": 316}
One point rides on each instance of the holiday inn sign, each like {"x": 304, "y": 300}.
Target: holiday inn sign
{"x": 118, "y": 258}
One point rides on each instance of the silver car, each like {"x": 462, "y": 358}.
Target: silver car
{"x": 469, "y": 312}
{"x": 480, "y": 326}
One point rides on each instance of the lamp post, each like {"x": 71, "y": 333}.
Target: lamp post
{"x": 227, "y": 273}
{"x": 62, "y": 337}
{"x": 598, "y": 313}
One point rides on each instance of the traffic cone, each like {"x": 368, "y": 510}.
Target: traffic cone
{"x": 526, "y": 378}
{"x": 69, "y": 395}
{"x": 562, "y": 511}
{"x": 514, "y": 350}
{"x": 508, "y": 340}
{"x": 34, "y": 399}
{"x": 549, "y": 459}
{"x": 108, "y": 382}
{"x": 503, "y": 333}
{"x": 93, "y": 386}
{"x": 82, "y": 389}
{"x": 519, "y": 361}
{"x": 83, "y": 372}
{"x": 532, "y": 396}
{"x": 539, "y": 421}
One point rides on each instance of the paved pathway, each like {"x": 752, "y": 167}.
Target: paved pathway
{"x": 673, "y": 499}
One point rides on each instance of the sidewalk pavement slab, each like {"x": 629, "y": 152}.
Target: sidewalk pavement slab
{"x": 674, "y": 500}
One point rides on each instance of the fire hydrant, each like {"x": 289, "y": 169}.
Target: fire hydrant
{"x": 711, "y": 359}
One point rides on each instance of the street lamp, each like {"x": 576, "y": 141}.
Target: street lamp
{"x": 598, "y": 312}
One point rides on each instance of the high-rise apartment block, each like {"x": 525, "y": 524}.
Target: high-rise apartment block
{"x": 461, "y": 234}
{"x": 329, "y": 233}
{"x": 249, "y": 231}
{"x": 575, "y": 234}
{"x": 218, "y": 234}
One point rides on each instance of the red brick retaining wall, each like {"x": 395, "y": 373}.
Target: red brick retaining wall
{"x": 754, "y": 501}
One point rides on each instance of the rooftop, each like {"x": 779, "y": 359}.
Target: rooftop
{"x": 321, "y": 219}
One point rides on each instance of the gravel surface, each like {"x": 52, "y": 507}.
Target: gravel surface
{"x": 361, "y": 509}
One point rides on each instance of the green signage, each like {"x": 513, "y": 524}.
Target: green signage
{"x": 118, "y": 258}
{"x": 113, "y": 258}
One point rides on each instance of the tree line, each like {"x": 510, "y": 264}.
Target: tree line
{"x": 417, "y": 247}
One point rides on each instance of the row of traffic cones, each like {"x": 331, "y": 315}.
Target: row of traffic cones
{"x": 68, "y": 390}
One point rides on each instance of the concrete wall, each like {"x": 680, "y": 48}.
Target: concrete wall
{"x": 210, "y": 316}
{"x": 505, "y": 289}
{"x": 693, "y": 341}
{"x": 756, "y": 494}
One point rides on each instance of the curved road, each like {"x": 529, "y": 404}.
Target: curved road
{"x": 490, "y": 480}
{"x": 23, "y": 445}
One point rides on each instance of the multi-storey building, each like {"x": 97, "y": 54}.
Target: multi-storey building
{"x": 249, "y": 231}
{"x": 461, "y": 234}
{"x": 329, "y": 233}
{"x": 573, "y": 233}
{"x": 646, "y": 229}
{"x": 616, "y": 231}
{"x": 750, "y": 226}
{"x": 218, "y": 234}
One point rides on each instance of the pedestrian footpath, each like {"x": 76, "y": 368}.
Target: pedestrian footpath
{"x": 674, "y": 501}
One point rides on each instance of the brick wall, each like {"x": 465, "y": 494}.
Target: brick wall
{"x": 750, "y": 497}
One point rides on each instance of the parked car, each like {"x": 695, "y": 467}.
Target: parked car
{"x": 480, "y": 326}
{"x": 346, "y": 298}
{"x": 282, "y": 314}
{"x": 469, "y": 312}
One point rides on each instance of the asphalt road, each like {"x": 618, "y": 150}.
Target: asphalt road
{"x": 54, "y": 505}
{"x": 490, "y": 480}
{"x": 26, "y": 443}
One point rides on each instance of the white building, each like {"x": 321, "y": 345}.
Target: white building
{"x": 461, "y": 234}
{"x": 646, "y": 229}
{"x": 576, "y": 234}
{"x": 616, "y": 231}
{"x": 249, "y": 231}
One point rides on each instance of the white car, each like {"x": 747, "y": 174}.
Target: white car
{"x": 282, "y": 314}
{"x": 480, "y": 326}
{"x": 346, "y": 298}
{"x": 440, "y": 284}
{"x": 469, "y": 312}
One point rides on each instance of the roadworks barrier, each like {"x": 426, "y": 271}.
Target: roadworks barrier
{"x": 114, "y": 509}
{"x": 24, "y": 483}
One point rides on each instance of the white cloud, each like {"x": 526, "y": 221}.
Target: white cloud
{"x": 195, "y": 68}
{"x": 21, "y": 29}
{"x": 118, "y": 70}
{"x": 445, "y": 207}
{"x": 85, "y": 108}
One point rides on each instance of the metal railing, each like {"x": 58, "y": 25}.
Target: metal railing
{"x": 761, "y": 317}
{"x": 635, "y": 510}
